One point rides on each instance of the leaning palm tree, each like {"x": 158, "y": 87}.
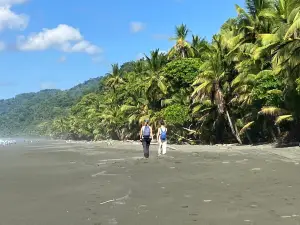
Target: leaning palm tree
{"x": 211, "y": 84}
{"x": 182, "y": 48}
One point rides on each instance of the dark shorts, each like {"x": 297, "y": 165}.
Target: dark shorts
{"x": 146, "y": 144}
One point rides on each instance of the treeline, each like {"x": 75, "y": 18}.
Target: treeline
{"x": 243, "y": 86}
{"x": 32, "y": 113}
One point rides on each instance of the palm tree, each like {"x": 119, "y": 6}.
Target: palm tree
{"x": 211, "y": 84}
{"x": 284, "y": 47}
{"x": 182, "y": 48}
{"x": 156, "y": 84}
{"x": 114, "y": 79}
{"x": 199, "y": 46}
{"x": 255, "y": 21}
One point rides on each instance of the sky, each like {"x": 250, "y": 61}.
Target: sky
{"x": 60, "y": 43}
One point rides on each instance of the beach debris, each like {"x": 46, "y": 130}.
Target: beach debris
{"x": 226, "y": 162}
{"x": 207, "y": 201}
{"x": 103, "y": 173}
{"x": 137, "y": 157}
{"x": 241, "y": 161}
{"x": 108, "y": 142}
{"x": 112, "y": 221}
{"x": 107, "y": 160}
{"x": 284, "y": 217}
{"x": 141, "y": 209}
{"x": 256, "y": 169}
{"x": 108, "y": 201}
{"x": 117, "y": 199}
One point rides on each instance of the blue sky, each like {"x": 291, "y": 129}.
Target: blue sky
{"x": 60, "y": 43}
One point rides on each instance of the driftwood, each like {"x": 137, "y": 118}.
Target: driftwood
{"x": 117, "y": 199}
{"x": 189, "y": 130}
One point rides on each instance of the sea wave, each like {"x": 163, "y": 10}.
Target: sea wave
{"x": 7, "y": 141}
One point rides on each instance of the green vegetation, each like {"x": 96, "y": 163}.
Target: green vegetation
{"x": 33, "y": 113}
{"x": 243, "y": 86}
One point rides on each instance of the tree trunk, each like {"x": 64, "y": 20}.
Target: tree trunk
{"x": 273, "y": 134}
{"x": 234, "y": 132}
{"x": 249, "y": 138}
{"x": 278, "y": 130}
{"x": 183, "y": 53}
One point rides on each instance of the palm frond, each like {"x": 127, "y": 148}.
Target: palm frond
{"x": 267, "y": 39}
{"x": 166, "y": 102}
{"x": 126, "y": 108}
{"x": 246, "y": 127}
{"x": 283, "y": 118}
{"x": 294, "y": 28}
{"x": 272, "y": 111}
{"x": 275, "y": 92}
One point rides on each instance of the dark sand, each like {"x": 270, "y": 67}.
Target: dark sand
{"x": 55, "y": 183}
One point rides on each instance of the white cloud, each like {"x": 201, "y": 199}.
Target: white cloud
{"x": 12, "y": 2}
{"x": 2, "y": 46}
{"x": 85, "y": 46}
{"x": 58, "y": 37}
{"x": 137, "y": 26}
{"x": 63, "y": 37}
{"x": 11, "y": 20}
{"x": 47, "y": 85}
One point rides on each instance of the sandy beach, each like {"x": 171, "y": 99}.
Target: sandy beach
{"x": 54, "y": 182}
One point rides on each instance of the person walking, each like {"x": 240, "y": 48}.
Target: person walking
{"x": 146, "y": 137}
{"x": 162, "y": 139}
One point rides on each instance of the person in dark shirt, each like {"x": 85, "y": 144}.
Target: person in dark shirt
{"x": 146, "y": 137}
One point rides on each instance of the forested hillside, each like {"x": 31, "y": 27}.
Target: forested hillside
{"x": 243, "y": 86}
{"x": 32, "y": 113}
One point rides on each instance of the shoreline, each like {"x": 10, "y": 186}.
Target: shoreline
{"x": 286, "y": 153}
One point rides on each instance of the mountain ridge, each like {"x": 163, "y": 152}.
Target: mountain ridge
{"x": 23, "y": 113}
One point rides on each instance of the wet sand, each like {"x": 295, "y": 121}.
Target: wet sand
{"x": 60, "y": 183}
